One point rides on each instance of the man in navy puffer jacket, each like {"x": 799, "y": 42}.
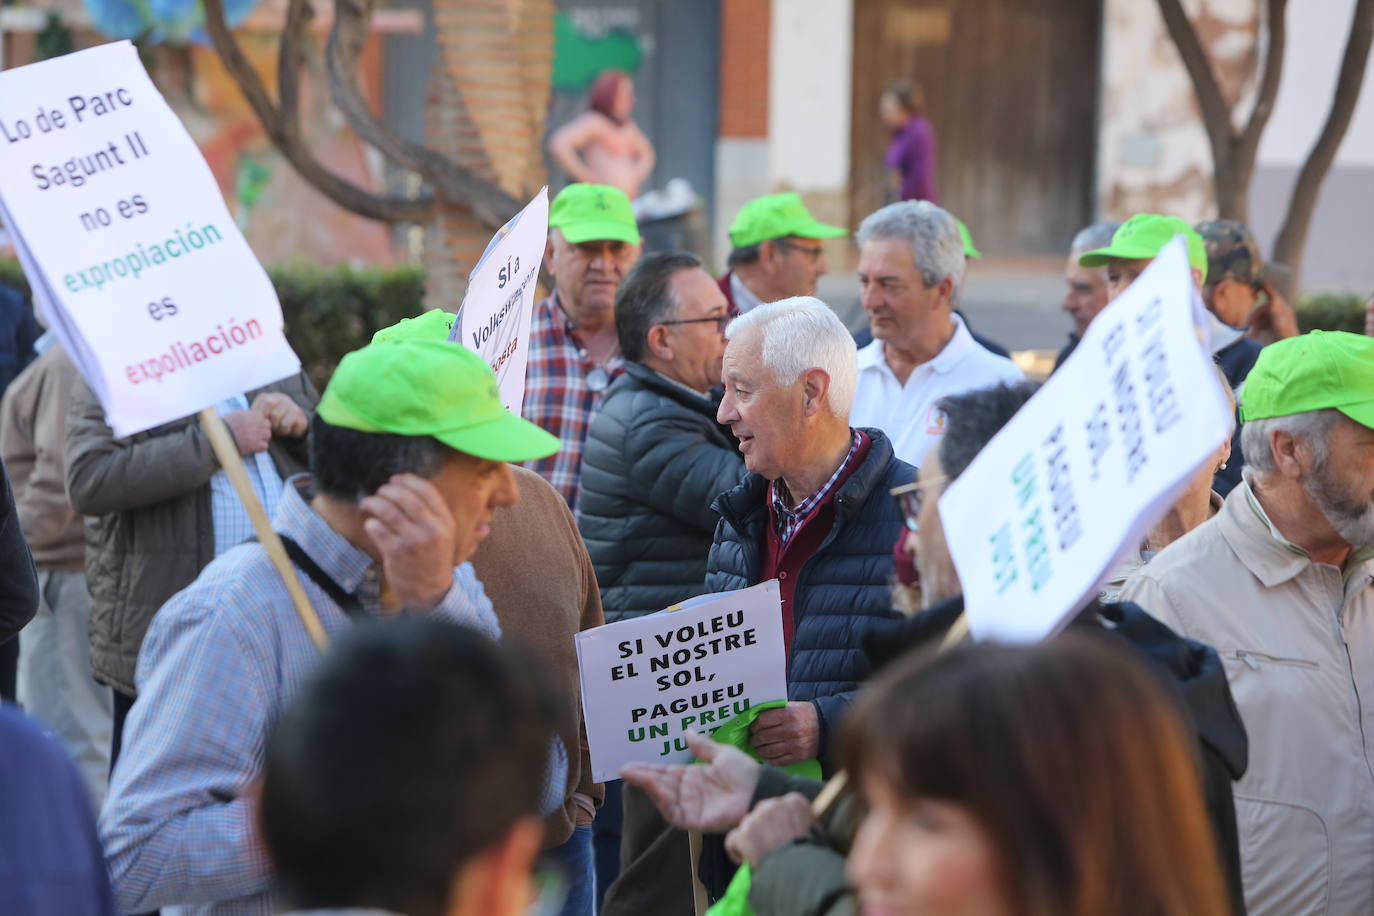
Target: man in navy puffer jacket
{"x": 814, "y": 512}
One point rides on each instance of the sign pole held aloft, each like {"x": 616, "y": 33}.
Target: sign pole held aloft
{"x": 227, "y": 451}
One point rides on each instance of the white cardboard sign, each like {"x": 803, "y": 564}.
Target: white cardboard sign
{"x": 648, "y": 681}
{"x": 495, "y": 316}
{"x": 1091, "y": 463}
{"x": 133, "y": 257}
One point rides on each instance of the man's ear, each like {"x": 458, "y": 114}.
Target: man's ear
{"x": 497, "y": 881}
{"x": 548, "y": 253}
{"x": 815, "y": 387}
{"x": 946, "y": 288}
{"x": 768, "y": 253}
{"x": 1285, "y": 448}
{"x": 657, "y": 343}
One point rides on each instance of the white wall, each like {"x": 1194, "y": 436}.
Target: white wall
{"x": 1317, "y": 30}
{"x": 809, "y": 94}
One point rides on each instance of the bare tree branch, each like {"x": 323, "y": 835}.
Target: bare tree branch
{"x": 1269, "y": 79}
{"x": 1293, "y": 236}
{"x": 452, "y": 182}
{"x": 1216, "y": 114}
{"x": 285, "y": 132}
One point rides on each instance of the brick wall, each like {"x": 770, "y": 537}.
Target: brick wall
{"x": 488, "y": 96}
{"x": 744, "y": 67}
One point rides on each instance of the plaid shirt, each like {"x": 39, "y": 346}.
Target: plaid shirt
{"x": 558, "y": 396}
{"x": 787, "y": 520}
{"x": 227, "y": 514}
{"x": 220, "y": 660}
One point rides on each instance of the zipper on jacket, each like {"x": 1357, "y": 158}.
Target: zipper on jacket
{"x": 1255, "y": 660}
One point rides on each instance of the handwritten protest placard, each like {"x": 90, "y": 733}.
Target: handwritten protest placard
{"x": 495, "y": 317}
{"x": 1091, "y": 463}
{"x": 648, "y": 681}
{"x": 132, "y": 255}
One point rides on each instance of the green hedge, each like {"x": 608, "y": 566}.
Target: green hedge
{"x": 329, "y": 310}
{"x": 1331, "y": 312}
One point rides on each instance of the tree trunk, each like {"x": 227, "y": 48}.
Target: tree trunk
{"x": 1292, "y": 240}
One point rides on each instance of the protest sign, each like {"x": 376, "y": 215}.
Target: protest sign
{"x": 132, "y": 255}
{"x": 495, "y": 316}
{"x": 648, "y": 681}
{"x": 1091, "y": 462}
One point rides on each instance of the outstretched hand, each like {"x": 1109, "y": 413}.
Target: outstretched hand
{"x": 710, "y": 797}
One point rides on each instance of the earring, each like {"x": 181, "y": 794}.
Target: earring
{"x": 1223, "y": 466}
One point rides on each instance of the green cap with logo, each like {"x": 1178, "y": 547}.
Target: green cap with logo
{"x": 432, "y": 325}
{"x": 1144, "y": 236}
{"x": 776, "y": 216}
{"x": 969, "y": 250}
{"x": 1314, "y": 371}
{"x": 419, "y": 387}
{"x": 593, "y": 213}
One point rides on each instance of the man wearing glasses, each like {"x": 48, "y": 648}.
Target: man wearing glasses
{"x": 776, "y": 252}
{"x": 656, "y": 459}
{"x": 574, "y": 353}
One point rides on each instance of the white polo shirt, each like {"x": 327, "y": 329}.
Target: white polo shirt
{"x": 907, "y": 413}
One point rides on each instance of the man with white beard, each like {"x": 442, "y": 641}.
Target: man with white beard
{"x": 1281, "y": 582}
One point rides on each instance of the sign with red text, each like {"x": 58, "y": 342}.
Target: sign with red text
{"x": 495, "y": 317}
{"x": 648, "y": 681}
{"x": 1092, "y": 462}
{"x": 133, "y": 257}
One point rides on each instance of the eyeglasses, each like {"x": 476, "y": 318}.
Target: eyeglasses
{"x": 811, "y": 252}
{"x": 721, "y": 321}
{"x": 911, "y": 496}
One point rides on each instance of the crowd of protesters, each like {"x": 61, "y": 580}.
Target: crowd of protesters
{"x": 1197, "y": 741}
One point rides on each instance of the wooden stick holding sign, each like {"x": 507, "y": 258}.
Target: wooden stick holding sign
{"x": 227, "y": 451}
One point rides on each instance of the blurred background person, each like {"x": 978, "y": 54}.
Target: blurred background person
{"x": 405, "y": 777}
{"x": 604, "y": 145}
{"x": 1086, "y": 287}
{"x": 911, "y": 154}
{"x": 1096, "y": 809}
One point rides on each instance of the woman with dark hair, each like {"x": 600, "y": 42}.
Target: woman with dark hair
{"x": 1052, "y": 780}
{"x": 603, "y": 145}
{"x": 911, "y": 154}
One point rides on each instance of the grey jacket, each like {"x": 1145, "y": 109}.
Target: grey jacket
{"x": 1297, "y": 641}
{"x": 148, "y": 529}
{"x": 655, "y": 461}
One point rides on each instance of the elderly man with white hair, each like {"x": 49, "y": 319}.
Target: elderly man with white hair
{"x": 911, "y": 268}
{"x": 813, "y": 511}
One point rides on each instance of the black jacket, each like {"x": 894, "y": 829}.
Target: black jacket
{"x": 655, "y": 459}
{"x": 842, "y": 592}
{"x": 18, "y": 578}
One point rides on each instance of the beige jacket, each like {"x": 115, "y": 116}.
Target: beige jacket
{"x": 536, "y": 571}
{"x": 33, "y": 430}
{"x": 1297, "y": 640}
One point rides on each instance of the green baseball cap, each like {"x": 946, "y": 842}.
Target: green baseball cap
{"x": 1314, "y": 371}
{"x": 432, "y": 325}
{"x": 593, "y": 213}
{"x": 969, "y": 250}
{"x": 1143, "y": 236}
{"x": 776, "y": 216}
{"x": 418, "y": 387}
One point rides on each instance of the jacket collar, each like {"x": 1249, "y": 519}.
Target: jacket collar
{"x": 660, "y": 383}
{"x": 1271, "y": 557}
{"x": 739, "y": 505}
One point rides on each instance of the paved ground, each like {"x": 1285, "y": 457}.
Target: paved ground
{"x": 1013, "y": 301}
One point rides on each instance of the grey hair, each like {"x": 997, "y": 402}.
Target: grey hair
{"x": 1312, "y": 426}
{"x": 803, "y": 333}
{"x": 937, "y": 249}
{"x": 1098, "y": 235}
